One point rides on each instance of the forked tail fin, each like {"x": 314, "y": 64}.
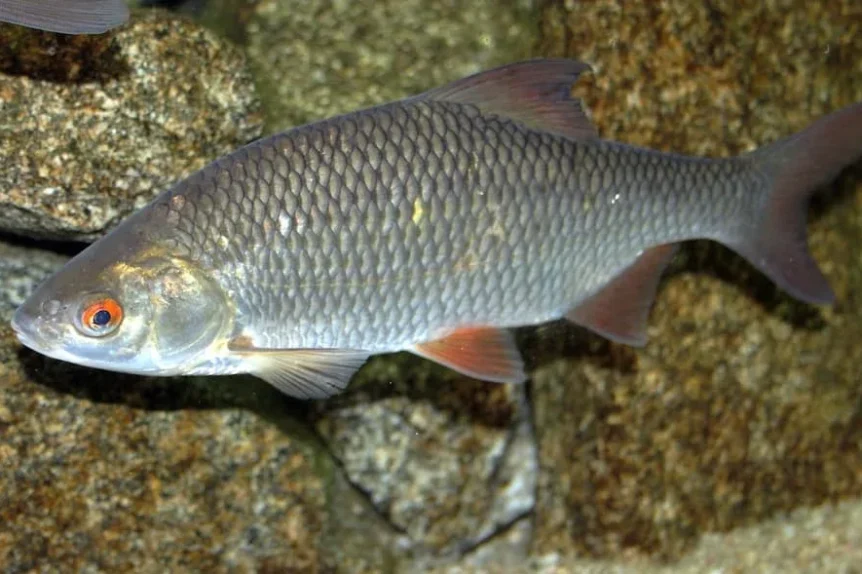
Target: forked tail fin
{"x": 797, "y": 166}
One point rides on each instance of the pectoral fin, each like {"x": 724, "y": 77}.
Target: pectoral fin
{"x": 304, "y": 373}
{"x": 484, "y": 353}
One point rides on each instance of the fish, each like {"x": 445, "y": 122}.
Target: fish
{"x": 434, "y": 224}
{"x": 66, "y": 16}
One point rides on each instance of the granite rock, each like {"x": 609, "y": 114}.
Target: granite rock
{"x": 92, "y": 128}
{"x": 745, "y": 403}
{"x": 447, "y": 461}
{"x": 317, "y": 59}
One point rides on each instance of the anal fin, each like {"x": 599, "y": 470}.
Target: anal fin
{"x": 303, "y": 373}
{"x": 620, "y": 310}
{"x": 485, "y": 353}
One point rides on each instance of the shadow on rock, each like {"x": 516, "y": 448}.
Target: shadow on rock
{"x": 58, "y": 57}
{"x": 417, "y": 380}
{"x": 156, "y": 393}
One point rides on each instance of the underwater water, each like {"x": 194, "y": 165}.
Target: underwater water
{"x": 731, "y": 441}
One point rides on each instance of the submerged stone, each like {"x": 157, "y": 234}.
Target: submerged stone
{"x": 446, "y": 460}
{"x": 92, "y": 128}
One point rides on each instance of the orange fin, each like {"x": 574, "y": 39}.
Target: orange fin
{"x": 302, "y": 373}
{"x": 485, "y": 353}
{"x": 621, "y": 309}
{"x": 537, "y": 93}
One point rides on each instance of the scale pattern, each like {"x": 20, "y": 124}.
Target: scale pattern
{"x": 386, "y": 227}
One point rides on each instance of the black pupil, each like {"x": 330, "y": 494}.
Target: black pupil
{"x": 101, "y": 318}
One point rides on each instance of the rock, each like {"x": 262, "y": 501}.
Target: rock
{"x": 506, "y": 552}
{"x": 318, "y": 59}
{"x": 822, "y": 539}
{"x": 447, "y": 461}
{"x": 92, "y": 128}
{"x": 21, "y": 270}
{"x": 105, "y": 471}
{"x": 745, "y": 403}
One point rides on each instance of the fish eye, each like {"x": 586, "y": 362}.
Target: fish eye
{"x": 100, "y": 317}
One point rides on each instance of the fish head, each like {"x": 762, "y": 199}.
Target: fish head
{"x": 134, "y": 311}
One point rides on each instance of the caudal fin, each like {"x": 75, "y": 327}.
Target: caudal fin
{"x": 776, "y": 242}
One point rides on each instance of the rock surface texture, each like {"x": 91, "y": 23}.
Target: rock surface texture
{"x": 93, "y": 127}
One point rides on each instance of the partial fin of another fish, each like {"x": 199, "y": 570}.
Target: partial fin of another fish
{"x": 66, "y": 16}
{"x": 303, "y": 373}
{"x": 776, "y": 241}
{"x": 537, "y": 93}
{"x": 486, "y": 353}
{"x": 621, "y": 309}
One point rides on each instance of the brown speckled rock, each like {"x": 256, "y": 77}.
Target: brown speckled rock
{"x": 91, "y": 128}
{"x": 823, "y": 539}
{"x": 745, "y": 403}
{"x": 318, "y": 59}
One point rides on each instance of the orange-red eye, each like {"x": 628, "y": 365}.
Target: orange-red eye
{"x": 102, "y": 316}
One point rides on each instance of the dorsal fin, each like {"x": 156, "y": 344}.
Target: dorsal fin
{"x": 537, "y": 93}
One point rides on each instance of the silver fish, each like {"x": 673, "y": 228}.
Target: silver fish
{"x": 66, "y": 16}
{"x": 432, "y": 225}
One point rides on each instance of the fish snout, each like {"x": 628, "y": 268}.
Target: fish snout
{"x": 34, "y": 327}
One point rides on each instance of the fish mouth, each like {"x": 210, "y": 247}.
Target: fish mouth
{"x": 21, "y": 334}
{"x": 37, "y": 344}
{"x": 33, "y": 344}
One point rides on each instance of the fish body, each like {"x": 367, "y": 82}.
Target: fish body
{"x": 65, "y": 16}
{"x": 431, "y": 224}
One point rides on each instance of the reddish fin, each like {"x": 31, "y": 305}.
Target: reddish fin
{"x": 777, "y": 243}
{"x": 483, "y": 353}
{"x": 621, "y": 309}
{"x": 536, "y": 93}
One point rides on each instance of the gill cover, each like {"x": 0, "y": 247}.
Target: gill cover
{"x": 189, "y": 312}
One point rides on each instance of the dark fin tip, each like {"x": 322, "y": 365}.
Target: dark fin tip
{"x": 537, "y": 93}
